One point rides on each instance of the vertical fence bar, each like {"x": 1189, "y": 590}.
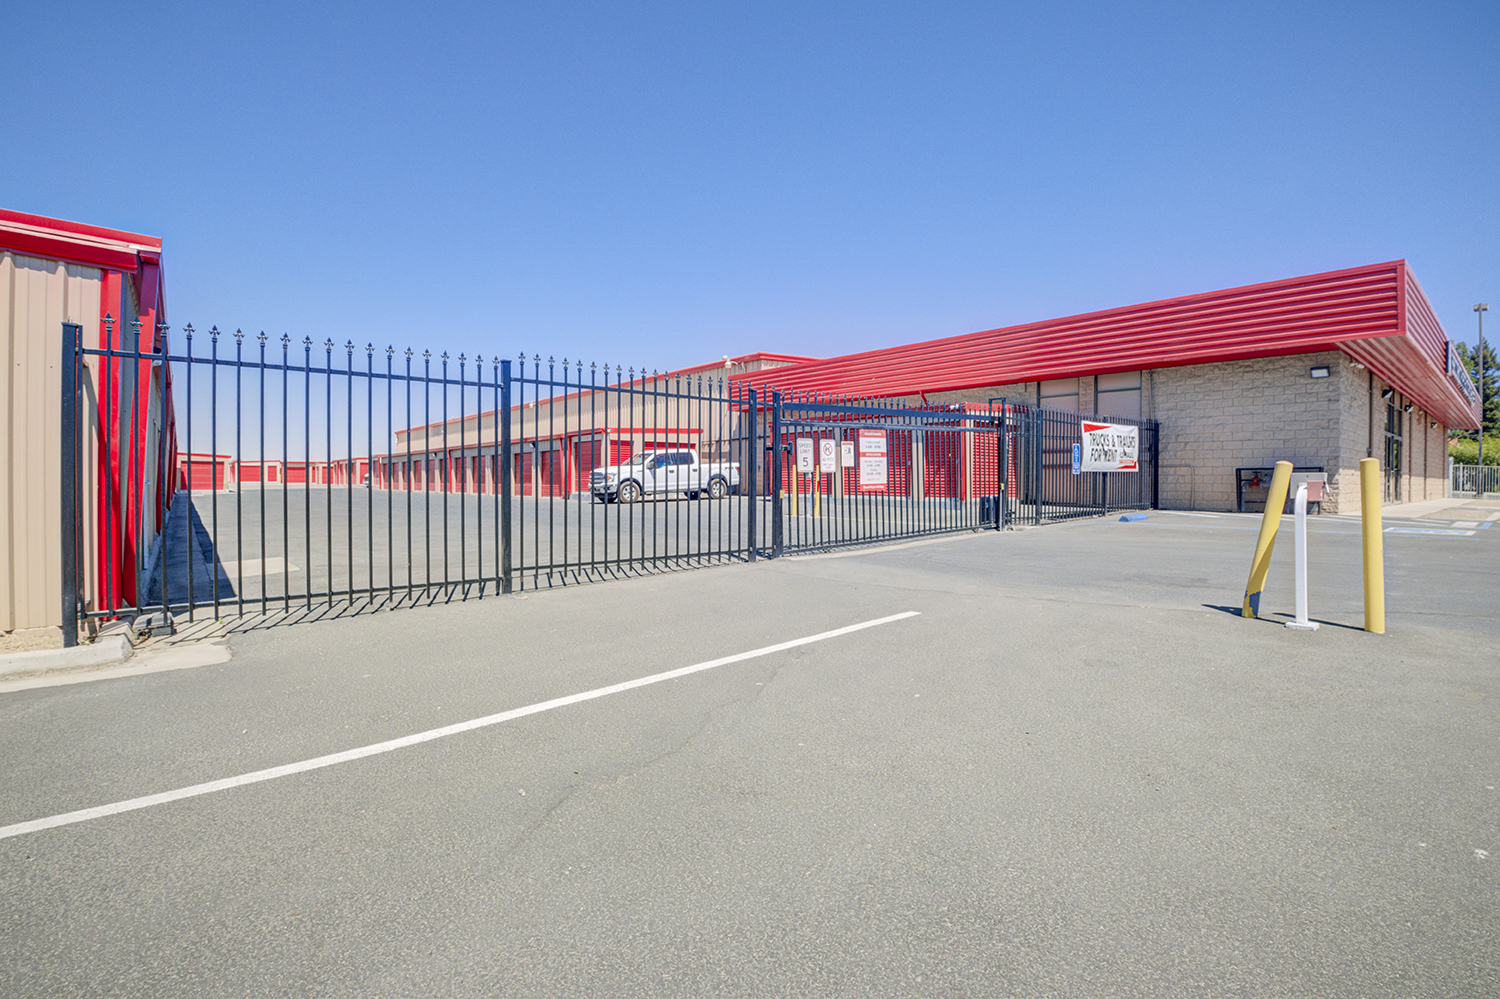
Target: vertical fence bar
{"x": 463, "y": 479}
{"x": 163, "y": 470}
{"x": 370, "y": 471}
{"x": 213, "y": 447}
{"x": 427, "y": 469}
{"x": 239, "y": 477}
{"x": 286, "y": 463}
{"x": 349, "y": 462}
{"x": 390, "y": 476}
{"x": 777, "y": 526}
{"x": 68, "y": 505}
{"x": 307, "y": 462}
{"x": 411, "y": 473}
{"x": 190, "y": 541}
{"x": 502, "y": 413}
{"x": 328, "y": 458}
{"x": 261, "y": 372}
{"x": 751, "y": 476}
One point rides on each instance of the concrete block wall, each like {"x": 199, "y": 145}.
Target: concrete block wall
{"x": 1219, "y": 417}
{"x": 1016, "y": 392}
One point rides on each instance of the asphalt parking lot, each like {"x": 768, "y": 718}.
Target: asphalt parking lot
{"x": 1069, "y": 770}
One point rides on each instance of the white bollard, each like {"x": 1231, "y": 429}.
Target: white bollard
{"x": 1300, "y": 513}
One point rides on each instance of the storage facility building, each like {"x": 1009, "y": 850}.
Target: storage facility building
{"x": 1321, "y": 370}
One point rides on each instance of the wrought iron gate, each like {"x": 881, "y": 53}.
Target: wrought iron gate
{"x": 333, "y": 476}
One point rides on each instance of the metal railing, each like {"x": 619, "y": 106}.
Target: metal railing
{"x": 1473, "y": 479}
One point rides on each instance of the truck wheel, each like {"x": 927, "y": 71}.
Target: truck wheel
{"x": 717, "y": 488}
{"x": 629, "y": 492}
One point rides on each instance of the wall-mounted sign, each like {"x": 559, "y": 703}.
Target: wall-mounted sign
{"x": 1077, "y": 458}
{"x": 1109, "y": 447}
{"x": 846, "y": 454}
{"x": 874, "y": 466}
{"x": 828, "y": 455}
{"x": 1460, "y": 374}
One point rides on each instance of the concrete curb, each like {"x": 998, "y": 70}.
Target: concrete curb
{"x": 201, "y": 643}
{"x": 108, "y": 649}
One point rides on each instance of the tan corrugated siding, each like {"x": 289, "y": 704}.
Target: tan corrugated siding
{"x": 36, "y": 297}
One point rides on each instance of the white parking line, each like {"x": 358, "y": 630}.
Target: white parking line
{"x": 100, "y": 811}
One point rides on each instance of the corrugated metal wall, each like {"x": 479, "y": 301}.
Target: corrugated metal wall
{"x": 36, "y": 298}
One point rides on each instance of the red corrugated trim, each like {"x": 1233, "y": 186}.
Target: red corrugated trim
{"x": 1301, "y": 315}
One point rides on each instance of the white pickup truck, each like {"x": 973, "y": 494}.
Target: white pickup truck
{"x": 677, "y": 470}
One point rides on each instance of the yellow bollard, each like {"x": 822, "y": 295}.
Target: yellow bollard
{"x": 796, "y": 488}
{"x": 1260, "y": 566}
{"x": 817, "y": 491}
{"x": 1369, "y": 509}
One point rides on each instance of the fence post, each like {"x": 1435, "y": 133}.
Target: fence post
{"x": 502, "y": 413}
{"x": 1001, "y": 455}
{"x": 776, "y": 518}
{"x": 752, "y": 442}
{"x": 72, "y": 335}
{"x": 1156, "y": 464}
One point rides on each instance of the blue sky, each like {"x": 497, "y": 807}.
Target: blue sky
{"x": 659, "y": 184}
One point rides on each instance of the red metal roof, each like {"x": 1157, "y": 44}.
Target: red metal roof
{"x": 1376, "y": 314}
{"x": 57, "y": 239}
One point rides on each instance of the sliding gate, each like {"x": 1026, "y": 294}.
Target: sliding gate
{"x": 251, "y": 475}
{"x": 862, "y": 472}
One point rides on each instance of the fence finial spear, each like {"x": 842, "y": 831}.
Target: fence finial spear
{"x": 444, "y": 356}
{"x": 189, "y": 331}
{"x": 136, "y": 323}
{"x": 213, "y": 334}
{"x": 239, "y": 337}
{"x": 307, "y": 343}
{"x": 409, "y": 353}
{"x": 427, "y": 355}
{"x": 370, "y": 349}
{"x": 390, "y": 351}
{"x": 349, "y": 347}
{"x": 109, "y": 324}
{"x": 262, "y": 338}
{"x": 328, "y": 345}
{"x": 286, "y": 339}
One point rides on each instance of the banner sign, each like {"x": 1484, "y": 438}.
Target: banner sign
{"x": 873, "y": 462}
{"x": 1109, "y": 447}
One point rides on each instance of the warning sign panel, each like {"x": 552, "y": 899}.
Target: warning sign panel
{"x": 828, "y": 455}
{"x": 1109, "y": 447}
{"x": 874, "y": 463}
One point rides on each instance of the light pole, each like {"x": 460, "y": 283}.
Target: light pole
{"x": 1480, "y": 310}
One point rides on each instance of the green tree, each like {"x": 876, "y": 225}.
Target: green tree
{"x": 1491, "y": 392}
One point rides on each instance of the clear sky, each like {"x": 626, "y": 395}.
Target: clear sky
{"x": 660, "y": 184}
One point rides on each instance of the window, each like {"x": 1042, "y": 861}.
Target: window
{"x": 1118, "y": 394}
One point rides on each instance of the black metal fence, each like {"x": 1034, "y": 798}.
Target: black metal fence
{"x": 325, "y": 475}
{"x": 1043, "y": 483}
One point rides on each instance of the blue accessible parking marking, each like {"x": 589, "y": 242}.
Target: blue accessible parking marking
{"x": 1428, "y": 530}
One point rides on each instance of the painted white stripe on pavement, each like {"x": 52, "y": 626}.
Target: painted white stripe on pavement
{"x": 100, "y": 811}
